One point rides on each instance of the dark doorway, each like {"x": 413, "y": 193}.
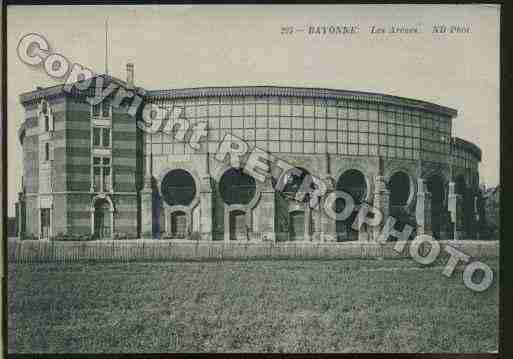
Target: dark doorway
{"x": 296, "y": 225}
{"x": 238, "y": 225}
{"x": 352, "y": 182}
{"x": 435, "y": 186}
{"x": 102, "y": 219}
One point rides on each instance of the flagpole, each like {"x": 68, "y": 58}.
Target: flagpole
{"x": 107, "y": 46}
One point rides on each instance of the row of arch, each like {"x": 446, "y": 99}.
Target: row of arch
{"x": 178, "y": 189}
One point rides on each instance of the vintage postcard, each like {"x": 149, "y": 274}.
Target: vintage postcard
{"x": 243, "y": 178}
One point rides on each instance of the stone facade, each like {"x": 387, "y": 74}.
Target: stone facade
{"x": 91, "y": 171}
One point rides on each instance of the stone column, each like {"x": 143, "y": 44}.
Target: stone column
{"x": 423, "y": 208}
{"x": 147, "y": 210}
{"x": 266, "y": 210}
{"x": 477, "y": 218}
{"x": 455, "y": 206}
{"x": 381, "y": 202}
{"x": 206, "y": 205}
{"x": 328, "y": 225}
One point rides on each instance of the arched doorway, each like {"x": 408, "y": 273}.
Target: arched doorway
{"x": 238, "y": 227}
{"x": 296, "y": 225}
{"x": 102, "y": 219}
{"x": 237, "y": 190}
{"x": 439, "y": 215}
{"x": 178, "y": 188}
{"x": 467, "y": 204}
{"x": 399, "y": 187}
{"x": 178, "y": 223}
{"x": 353, "y": 182}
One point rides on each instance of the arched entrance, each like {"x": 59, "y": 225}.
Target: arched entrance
{"x": 439, "y": 215}
{"x": 467, "y": 204}
{"x": 178, "y": 190}
{"x": 352, "y": 182}
{"x": 102, "y": 219}
{"x": 237, "y": 190}
{"x": 399, "y": 187}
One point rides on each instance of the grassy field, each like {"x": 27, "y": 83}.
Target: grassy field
{"x": 255, "y": 306}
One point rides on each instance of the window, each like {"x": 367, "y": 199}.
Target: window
{"x": 102, "y": 174}
{"x": 101, "y": 137}
{"x": 47, "y": 151}
{"x": 96, "y": 110}
{"x": 106, "y": 108}
{"x": 45, "y": 116}
{"x": 106, "y": 137}
{"x": 103, "y": 107}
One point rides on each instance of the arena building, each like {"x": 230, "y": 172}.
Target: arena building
{"x": 88, "y": 170}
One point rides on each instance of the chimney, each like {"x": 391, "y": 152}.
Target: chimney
{"x": 130, "y": 75}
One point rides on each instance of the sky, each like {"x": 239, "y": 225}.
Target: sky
{"x": 179, "y": 46}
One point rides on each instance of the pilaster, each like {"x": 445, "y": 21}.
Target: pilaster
{"x": 381, "y": 202}
{"x": 423, "y": 208}
{"x": 455, "y": 206}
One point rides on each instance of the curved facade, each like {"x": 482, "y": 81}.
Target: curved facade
{"x": 395, "y": 153}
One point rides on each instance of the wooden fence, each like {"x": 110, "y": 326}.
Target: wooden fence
{"x": 28, "y": 251}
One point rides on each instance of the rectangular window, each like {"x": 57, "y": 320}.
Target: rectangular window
{"x": 47, "y": 151}
{"x": 308, "y": 111}
{"x": 332, "y": 136}
{"x": 97, "y": 136}
{"x": 102, "y": 181}
{"x": 106, "y": 108}
{"x": 225, "y": 110}
{"x": 101, "y": 137}
{"x": 309, "y": 147}
{"x": 261, "y": 109}
{"x": 97, "y": 179}
{"x": 249, "y": 122}
{"x": 342, "y": 148}
{"x": 274, "y": 146}
{"x": 320, "y": 147}
{"x": 320, "y": 136}
{"x": 106, "y": 179}
{"x": 249, "y": 110}
{"x": 297, "y": 110}
{"x": 309, "y": 122}
{"x": 261, "y": 134}
{"x": 285, "y": 122}
{"x": 284, "y": 134}
{"x": 309, "y": 135}
{"x": 285, "y": 146}
{"x": 274, "y": 110}
{"x": 237, "y": 110}
{"x": 274, "y": 122}
{"x": 96, "y": 109}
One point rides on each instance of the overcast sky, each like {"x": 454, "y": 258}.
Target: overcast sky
{"x": 192, "y": 46}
